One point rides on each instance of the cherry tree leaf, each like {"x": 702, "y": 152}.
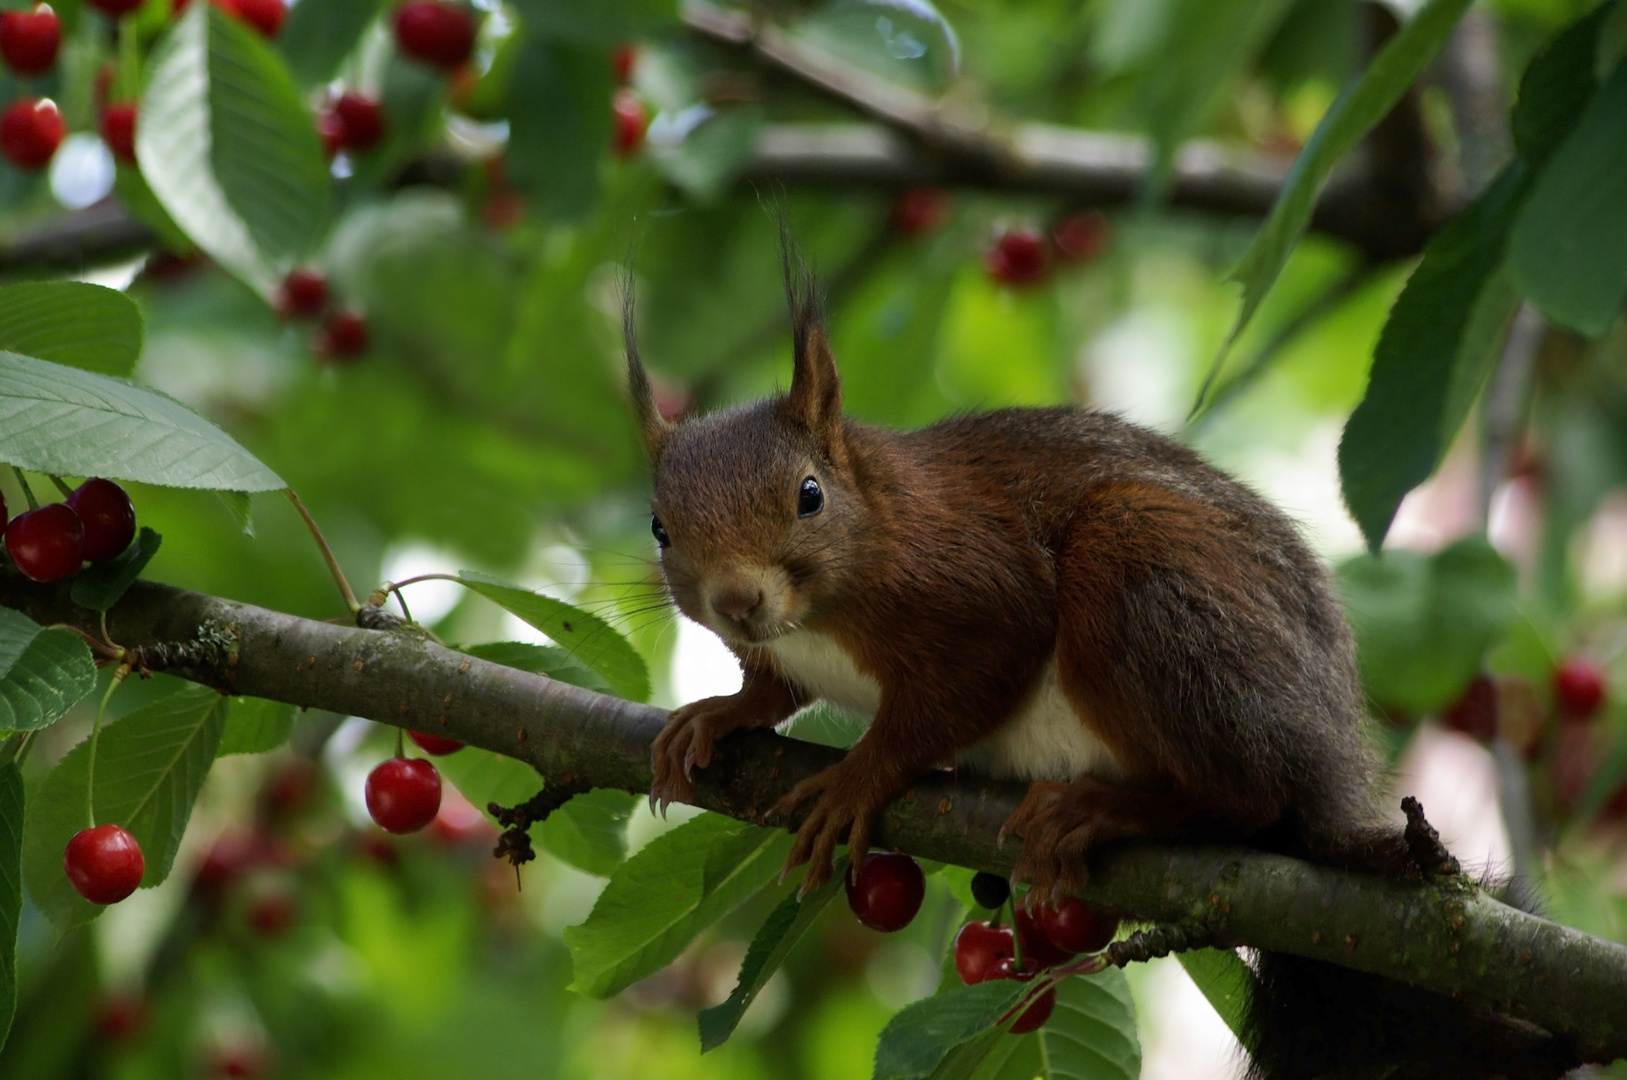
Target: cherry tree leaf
{"x": 42, "y": 672}
{"x": 72, "y": 322}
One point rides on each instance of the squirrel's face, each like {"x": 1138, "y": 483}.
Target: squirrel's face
{"x": 754, "y": 521}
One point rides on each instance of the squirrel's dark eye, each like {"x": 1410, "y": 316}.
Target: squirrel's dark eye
{"x": 660, "y": 532}
{"x": 810, "y": 500}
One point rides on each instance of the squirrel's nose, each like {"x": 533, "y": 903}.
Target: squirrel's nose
{"x": 738, "y": 605}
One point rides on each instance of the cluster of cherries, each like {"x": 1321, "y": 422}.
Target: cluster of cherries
{"x": 886, "y": 893}
{"x": 304, "y": 294}
{"x": 93, "y": 524}
{"x": 1017, "y": 255}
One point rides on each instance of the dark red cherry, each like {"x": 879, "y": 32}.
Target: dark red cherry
{"x": 1018, "y": 257}
{"x": 108, "y": 516}
{"x": 980, "y": 948}
{"x": 29, "y": 39}
{"x": 403, "y": 794}
{"x": 1076, "y": 926}
{"x": 1038, "y": 947}
{"x": 104, "y": 863}
{"x": 266, "y": 16}
{"x": 1579, "y": 687}
{"x": 440, "y": 34}
{"x": 919, "y": 210}
{"x": 1036, "y": 1012}
{"x": 30, "y": 131}
{"x": 887, "y": 891}
{"x": 119, "y": 131}
{"x": 115, "y": 8}
{"x": 631, "y": 121}
{"x": 435, "y": 744}
{"x": 1079, "y": 237}
{"x": 1475, "y": 712}
{"x": 363, "y": 119}
{"x": 304, "y": 295}
{"x": 344, "y": 336}
{"x": 47, "y": 544}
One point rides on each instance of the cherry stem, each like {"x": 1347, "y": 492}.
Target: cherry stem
{"x": 95, "y": 740}
{"x": 400, "y": 743}
{"x": 28, "y": 492}
{"x": 327, "y": 552}
{"x": 60, "y": 486}
{"x": 1016, "y": 935}
{"x": 401, "y": 598}
{"x": 106, "y": 649}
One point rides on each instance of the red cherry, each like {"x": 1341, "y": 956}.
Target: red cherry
{"x": 344, "y": 336}
{"x": 115, "y": 8}
{"x": 227, "y": 859}
{"x": 47, "y": 544}
{"x": 332, "y": 131}
{"x": 440, "y": 34}
{"x": 631, "y": 121}
{"x": 919, "y": 210}
{"x": 435, "y": 744}
{"x": 403, "y": 794}
{"x": 30, "y": 131}
{"x": 622, "y": 60}
{"x": 120, "y": 1018}
{"x": 887, "y": 891}
{"x": 363, "y": 119}
{"x": 458, "y": 822}
{"x": 108, "y": 516}
{"x": 272, "y": 913}
{"x": 290, "y": 787}
{"x": 1018, "y": 257}
{"x": 1039, "y": 1010}
{"x": 119, "y": 132}
{"x": 304, "y": 295}
{"x": 29, "y": 39}
{"x": 241, "y": 1062}
{"x": 1579, "y": 687}
{"x": 104, "y": 863}
{"x": 1076, "y": 926}
{"x": 1038, "y": 947}
{"x": 1080, "y": 236}
{"x": 265, "y": 16}
{"x": 1475, "y": 713}
{"x": 980, "y": 948}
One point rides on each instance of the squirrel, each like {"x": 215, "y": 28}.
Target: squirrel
{"x": 1053, "y": 595}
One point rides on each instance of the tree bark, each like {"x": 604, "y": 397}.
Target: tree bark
{"x": 1447, "y": 937}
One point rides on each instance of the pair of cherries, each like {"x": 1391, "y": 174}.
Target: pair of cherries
{"x": 95, "y": 522}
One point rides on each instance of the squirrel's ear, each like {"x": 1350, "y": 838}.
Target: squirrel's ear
{"x": 652, "y": 426}
{"x": 815, "y": 399}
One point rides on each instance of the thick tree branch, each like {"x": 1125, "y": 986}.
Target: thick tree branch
{"x": 1449, "y": 939}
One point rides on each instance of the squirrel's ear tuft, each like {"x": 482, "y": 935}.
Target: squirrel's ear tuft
{"x": 652, "y": 426}
{"x": 815, "y": 399}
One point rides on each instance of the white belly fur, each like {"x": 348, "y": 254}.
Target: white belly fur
{"x": 1045, "y": 740}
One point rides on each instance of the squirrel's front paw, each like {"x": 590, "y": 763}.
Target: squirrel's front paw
{"x": 846, "y": 806}
{"x": 1057, "y": 835}
{"x": 685, "y": 744}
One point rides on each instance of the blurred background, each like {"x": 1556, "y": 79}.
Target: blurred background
{"x": 453, "y": 401}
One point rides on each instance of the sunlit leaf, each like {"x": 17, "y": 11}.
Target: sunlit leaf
{"x": 319, "y": 34}
{"x": 72, "y": 322}
{"x": 61, "y": 420}
{"x": 590, "y": 831}
{"x": 1224, "y": 979}
{"x": 42, "y": 672}
{"x": 255, "y": 725}
{"x": 1091, "y": 1034}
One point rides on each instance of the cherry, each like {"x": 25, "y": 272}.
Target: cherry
{"x": 887, "y": 891}
{"x": 239, "y": 1061}
{"x": 1475, "y": 712}
{"x": 363, "y": 119}
{"x": 29, "y": 39}
{"x": 119, "y": 131}
{"x": 990, "y": 890}
{"x": 919, "y": 210}
{"x": 104, "y": 863}
{"x": 273, "y": 912}
{"x": 440, "y": 34}
{"x": 435, "y": 744}
{"x": 1017, "y": 257}
{"x": 1039, "y": 1010}
{"x": 120, "y": 1018}
{"x": 1038, "y": 947}
{"x": 47, "y": 544}
{"x": 344, "y": 336}
{"x": 304, "y": 295}
{"x": 623, "y": 58}
{"x": 631, "y": 121}
{"x": 107, "y": 515}
{"x": 458, "y": 822}
{"x": 1081, "y": 236}
{"x": 289, "y": 787}
{"x": 115, "y": 8}
{"x": 265, "y": 16}
{"x": 1579, "y": 687}
{"x": 980, "y": 948}
{"x": 332, "y": 130}
{"x": 1077, "y": 927}
{"x": 227, "y": 859}
{"x": 403, "y": 794}
{"x": 30, "y": 131}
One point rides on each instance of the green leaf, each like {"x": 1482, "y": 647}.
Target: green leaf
{"x": 704, "y": 164}
{"x": 227, "y": 146}
{"x": 559, "y": 124}
{"x": 72, "y": 322}
{"x": 1557, "y": 85}
{"x": 1091, "y": 1034}
{"x": 700, "y": 871}
{"x": 1423, "y": 623}
{"x": 149, "y": 768}
{"x": 597, "y": 24}
{"x": 42, "y": 672}
{"x": 484, "y": 777}
{"x": 549, "y": 660}
{"x": 1568, "y": 250}
{"x": 1356, "y": 111}
{"x": 922, "y": 1035}
{"x": 1434, "y": 354}
{"x": 1224, "y": 979}
{"x": 590, "y": 831}
{"x": 138, "y": 198}
{"x": 588, "y": 638}
{"x": 994, "y": 1055}
{"x": 11, "y": 889}
{"x": 60, "y": 420}
{"x": 319, "y": 34}
{"x": 255, "y": 725}
{"x": 101, "y": 586}
{"x": 782, "y": 929}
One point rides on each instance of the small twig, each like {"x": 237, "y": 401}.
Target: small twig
{"x": 327, "y": 553}
{"x": 515, "y": 843}
{"x": 1425, "y": 843}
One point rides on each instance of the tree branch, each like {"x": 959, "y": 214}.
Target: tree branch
{"x": 1453, "y": 940}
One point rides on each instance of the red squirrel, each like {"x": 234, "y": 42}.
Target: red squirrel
{"x": 1052, "y": 595}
